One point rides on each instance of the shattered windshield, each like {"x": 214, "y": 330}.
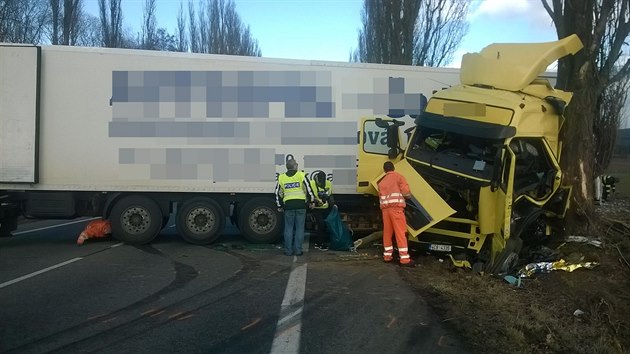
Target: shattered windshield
{"x": 455, "y": 150}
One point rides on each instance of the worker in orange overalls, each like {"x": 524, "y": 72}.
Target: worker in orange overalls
{"x": 392, "y": 190}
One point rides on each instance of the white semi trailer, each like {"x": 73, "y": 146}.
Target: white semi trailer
{"x": 129, "y": 134}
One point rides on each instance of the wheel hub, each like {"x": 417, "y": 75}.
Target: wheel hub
{"x": 200, "y": 220}
{"x": 136, "y": 220}
{"x": 262, "y": 220}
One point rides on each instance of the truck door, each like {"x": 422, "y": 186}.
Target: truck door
{"x": 425, "y": 208}
{"x": 19, "y": 113}
{"x": 373, "y": 152}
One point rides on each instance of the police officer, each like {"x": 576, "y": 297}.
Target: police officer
{"x": 293, "y": 194}
{"x": 322, "y": 188}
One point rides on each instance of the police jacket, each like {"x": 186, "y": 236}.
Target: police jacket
{"x": 293, "y": 190}
{"x": 323, "y": 195}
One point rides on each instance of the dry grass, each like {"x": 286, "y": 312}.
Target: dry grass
{"x": 495, "y": 317}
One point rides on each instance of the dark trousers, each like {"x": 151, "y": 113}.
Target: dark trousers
{"x": 321, "y": 237}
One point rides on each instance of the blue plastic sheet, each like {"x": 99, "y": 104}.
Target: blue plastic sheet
{"x": 340, "y": 235}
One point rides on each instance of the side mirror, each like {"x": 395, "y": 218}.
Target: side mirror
{"x": 393, "y": 153}
{"x": 392, "y": 135}
{"x": 381, "y": 123}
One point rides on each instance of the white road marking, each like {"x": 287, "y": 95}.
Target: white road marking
{"x": 16, "y": 280}
{"x": 24, "y": 277}
{"x": 289, "y": 326}
{"x": 53, "y": 226}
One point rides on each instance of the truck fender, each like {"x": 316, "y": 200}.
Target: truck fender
{"x": 111, "y": 199}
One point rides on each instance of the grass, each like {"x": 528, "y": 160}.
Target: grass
{"x": 620, "y": 168}
{"x": 494, "y": 317}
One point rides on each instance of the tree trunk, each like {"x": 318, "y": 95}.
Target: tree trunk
{"x": 578, "y": 75}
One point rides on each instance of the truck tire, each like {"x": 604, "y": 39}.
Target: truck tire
{"x": 200, "y": 221}
{"x": 508, "y": 258}
{"x": 136, "y": 219}
{"x": 259, "y": 221}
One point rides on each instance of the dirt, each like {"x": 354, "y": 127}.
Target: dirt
{"x": 583, "y": 311}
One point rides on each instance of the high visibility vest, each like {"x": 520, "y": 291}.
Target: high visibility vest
{"x": 317, "y": 190}
{"x": 389, "y": 192}
{"x": 292, "y": 187}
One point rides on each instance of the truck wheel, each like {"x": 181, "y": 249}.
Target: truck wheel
{"x": 136, "y": 219}
{"x": 508, "y": 258}
{"x": 259, "y": 221}
{"x": 200, "y": 221}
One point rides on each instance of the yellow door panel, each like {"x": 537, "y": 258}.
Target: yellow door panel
{"x": 372, "y": 154}
{"x": 425, "y": 208}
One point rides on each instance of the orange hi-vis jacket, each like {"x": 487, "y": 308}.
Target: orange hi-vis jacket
{"x": 392, "y": 190}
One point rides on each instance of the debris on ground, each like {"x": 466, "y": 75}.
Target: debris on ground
{"x": 368, "y": 240}
{"x": 584, "y": 239}
{"x": 512, "y": 280}
{"x": 560, "y": 312}
{"x": 541, "y": 253}
{"x": 546, "y": 267}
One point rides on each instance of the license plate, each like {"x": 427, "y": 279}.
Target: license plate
{"x": 440, "y": 248}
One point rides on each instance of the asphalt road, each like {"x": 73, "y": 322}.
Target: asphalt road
{"x": 230, "y": 297}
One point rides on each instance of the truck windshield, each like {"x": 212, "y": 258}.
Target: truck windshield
{"x": 466, "y": 154}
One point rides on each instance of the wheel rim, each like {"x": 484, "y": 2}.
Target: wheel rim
{"x": 136, "y": 220}
{"x": 510, "y": 262}
{"x": 200, "y": 220}
{"x": 262, "y": 220}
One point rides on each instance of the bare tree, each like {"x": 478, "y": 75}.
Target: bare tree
{"x": 218, "y": 29}
{"x": 194, "y": 33}
{"x": 182, "y": 43}
{"x": 205, "y": 20}
{"x": 111, "y": 23}
{"x": 65, "y": 17}
{"x": 55, "y": 8}
{"x": 603, "y": 26}
{"x": 411, "y": 32}
{"x": 90, "y": 33}
{"x": 440, "y": 29}
{"x": 387, "y": 35}
{"x": 23, "y": 21}
{"x": 149, "y": 40}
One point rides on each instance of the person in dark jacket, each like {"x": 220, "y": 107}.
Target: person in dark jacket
{"x": 322, "y": 188}
{"x": 293, "y": 194}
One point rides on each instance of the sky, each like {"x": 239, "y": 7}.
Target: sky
{"x": 328, "y": 29}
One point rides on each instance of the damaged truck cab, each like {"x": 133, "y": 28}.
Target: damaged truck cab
{"x": 483, "y": 159}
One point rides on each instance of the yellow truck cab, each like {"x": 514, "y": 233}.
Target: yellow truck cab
{"x": 482, "y": 159}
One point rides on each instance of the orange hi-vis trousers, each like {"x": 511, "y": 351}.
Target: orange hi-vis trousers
{"x": 394, "y": 222}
